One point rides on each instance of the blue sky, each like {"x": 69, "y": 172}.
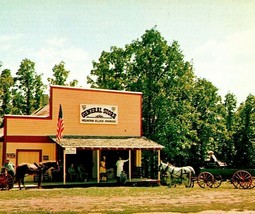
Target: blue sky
{"x": 217, "y": 35}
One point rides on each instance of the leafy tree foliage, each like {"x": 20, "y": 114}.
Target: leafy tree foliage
{"x": 60, "y": 75}
{"x": 24, "y": 93}
{"x": 180, "y": 111}
{"x": 6, "y": 84}
{"x": 245, "y": 133}
{"x": 28, "y": 91}
{"x": 230, "y": 117}
{"x": 209, "y": 123}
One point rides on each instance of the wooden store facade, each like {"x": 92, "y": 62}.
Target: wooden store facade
{"x": 96, "y": 122}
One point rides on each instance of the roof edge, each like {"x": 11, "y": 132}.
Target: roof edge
{"x": 95, "y": 89}
{"x": 95, "y": 137}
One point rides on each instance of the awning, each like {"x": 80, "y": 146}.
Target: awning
{"x": 108, "y": 143}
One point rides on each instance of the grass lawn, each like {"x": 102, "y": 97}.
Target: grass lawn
{"x": 128, "y": 200}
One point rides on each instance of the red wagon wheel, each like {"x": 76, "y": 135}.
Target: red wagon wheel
{"x": 205, "y": 179}
{"x": 10, "y": 181}
{"x": 242, "y": 179}
{"x": 2, "y": 181}
{"x": 6, "y": 181}
{"x": 253, "y": 183}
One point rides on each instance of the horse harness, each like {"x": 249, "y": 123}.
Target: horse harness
{"x": 173, "y": 173}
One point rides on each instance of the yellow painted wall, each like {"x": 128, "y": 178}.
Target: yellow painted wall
{"x": 30, "y": 127}
{"x": 47, "y": 148}
{"x": 28, "y": 157}
{"x": 129, "y": 110}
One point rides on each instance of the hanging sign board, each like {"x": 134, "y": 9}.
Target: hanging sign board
{"x": 70, "y": 150}
{"x": 98, "y": 114}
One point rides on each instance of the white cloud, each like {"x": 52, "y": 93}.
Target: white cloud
{"x": 229, "y": 64}
{"x": 56, "y": 42}
{"x": 10, "y": 38}
{"x": 76, "y": 60}
{"x": 53, "y": 51}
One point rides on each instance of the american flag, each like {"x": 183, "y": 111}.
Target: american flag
{"x": 60, "y": 124}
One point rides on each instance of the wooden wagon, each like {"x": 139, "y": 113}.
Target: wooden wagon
{"x": 213, "y": 175}
{"x": 6, "y": 180}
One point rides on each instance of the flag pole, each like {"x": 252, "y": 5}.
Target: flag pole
{"x": 59, "y": 135}
{"x": 64, "y": 166}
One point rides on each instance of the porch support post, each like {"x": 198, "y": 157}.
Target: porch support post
{"x": 64, "y": 166}
{"x": 129, "y": 163}
{"x": 98, "y": 173}
{"x": 158, "y": 164}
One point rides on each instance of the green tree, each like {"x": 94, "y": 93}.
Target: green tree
{"x": 60, "y": 75}
{"x": 175, "y": 111}
{"x": 28, "y": 91}
{"x": 230, "y": 105}
{"x": 158, "y": 70}
{"x": 6, "y": 84}
{"x": 209, "y": 123}
{"x": 245, "y": 135}
{"x": 39, "y": 96}
{"x": 180, "y": 111}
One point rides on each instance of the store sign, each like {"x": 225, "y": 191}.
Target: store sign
{"x": 70, "y": 150}
{"x": 98, "y": 114}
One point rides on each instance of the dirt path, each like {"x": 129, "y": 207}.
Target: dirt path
{"x": 151, "y": 200}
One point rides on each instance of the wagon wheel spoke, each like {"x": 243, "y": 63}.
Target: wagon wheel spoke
{"x": 246, "y": 180}
{"x": 242, "y": 179}
{"x": 205, "y": 179}
{"x": 2, "y": 181}
{"x": 6, "y": 181}
{"x": 217, "y": 181}
{"x": 253, "y": 183}
{"x": 9, "y": 182}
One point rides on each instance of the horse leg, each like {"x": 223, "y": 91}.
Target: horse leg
{"x": 188, "y": 180}
{"x": 168, "y": 180}
{"x": 18, "y": 179}
{"x": 185, "y": 181}
{"x": 39, "y": 180}
{"x": 19, "y": 184}
{"x": 189, "y": 186}
{"x": 22, "y": 181}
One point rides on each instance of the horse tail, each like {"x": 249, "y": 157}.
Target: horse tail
{"x": 190, "y": 178}
{"x": 193, "y": 172}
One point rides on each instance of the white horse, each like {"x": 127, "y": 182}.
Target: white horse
{"x": 184, "y": 173}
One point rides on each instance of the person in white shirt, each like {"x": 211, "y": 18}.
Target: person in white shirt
{"x": 9, "y": 167}
{"x": 212, "y": 157}
{"x": 120, "y": 165}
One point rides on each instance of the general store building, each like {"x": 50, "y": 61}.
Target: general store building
{"x": 96, "y": 123}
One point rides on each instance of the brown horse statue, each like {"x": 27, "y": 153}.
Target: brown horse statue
{"x": 34, "y": 169}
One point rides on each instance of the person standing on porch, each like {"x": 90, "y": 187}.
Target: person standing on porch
{"x": 120, "y": 165}
{"x": 103, "y": 169}
{"x": 72, "y": 173}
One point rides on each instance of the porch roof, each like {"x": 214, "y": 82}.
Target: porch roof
{"x": 108, "y": 143}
